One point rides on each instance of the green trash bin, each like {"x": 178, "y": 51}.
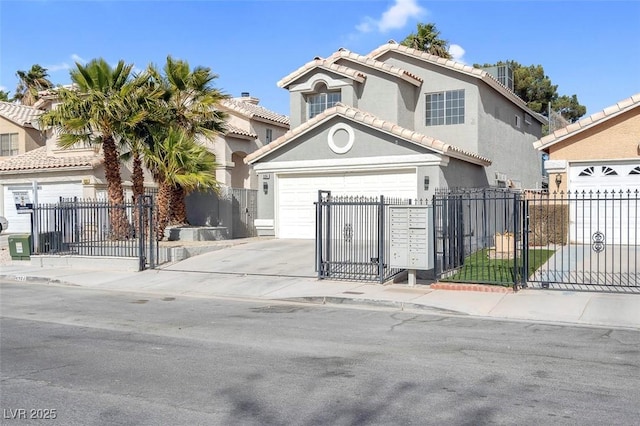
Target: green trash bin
{"x": 20, "y": 246}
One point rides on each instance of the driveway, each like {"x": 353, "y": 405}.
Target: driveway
{"x": 273, "y": 257}
{"x": 580, "y": 264}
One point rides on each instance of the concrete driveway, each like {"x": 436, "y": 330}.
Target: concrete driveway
{"x": 273, "y": 257}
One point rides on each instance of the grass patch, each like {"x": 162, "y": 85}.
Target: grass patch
{"x": 478, "y": 268}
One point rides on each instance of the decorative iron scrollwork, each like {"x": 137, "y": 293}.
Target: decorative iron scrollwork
{"x": 597, "y": 242}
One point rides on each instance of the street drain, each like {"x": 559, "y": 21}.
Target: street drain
{"x": 352, "y": 292}
{"x": 140, "y": 302}
{"x": 168, "y": 299}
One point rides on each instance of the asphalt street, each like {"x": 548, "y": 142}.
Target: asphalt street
{"x": 98, "y": 358}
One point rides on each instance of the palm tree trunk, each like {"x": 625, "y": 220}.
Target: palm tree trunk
{"x": 164, "y": 208}
{"x": 137, "y": 177}
{"x": 178, "y": 206}
{"x": 118, "y": 217}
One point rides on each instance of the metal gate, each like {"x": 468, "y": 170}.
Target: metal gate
{"x": 478, "y": 236}
{"x": 353, "y": 237}
{"x": 577, "y": 241}
{"x": 592, "y": 238}
{"x": 97, "y": 228}
{"x": 244, "y": 210}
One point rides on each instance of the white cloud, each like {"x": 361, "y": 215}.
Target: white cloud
{"x": 76, "y": 58}
{"x": 57, "y": 67}
{"x": 457, "y": 53}
{"x": 393, "y": 18}
{"x": 63, "y": 66}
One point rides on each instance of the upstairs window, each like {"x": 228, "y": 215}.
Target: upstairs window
{"x": 318, "y": 102}
{"x": 269, "y": 135}
{"x": 445, "y": 108}
{"x": 8, "y": 144}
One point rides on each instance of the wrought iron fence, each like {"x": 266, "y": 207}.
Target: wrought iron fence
{"x": 478, "y": 236}
{"x": 97, "y": 228}
{"x": 244, "y": 210}
{"x": 584, "y": 240}
{"x": 353, "y": 237}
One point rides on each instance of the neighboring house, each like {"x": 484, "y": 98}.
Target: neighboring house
{"x": 249, "y": 127}
{"x": 79, "y": 172}
{"x": 596, "y": 161}
{"x": 600, "y": 152}
{"x": 18, "y": 133}
{"x": 396, "y": 122}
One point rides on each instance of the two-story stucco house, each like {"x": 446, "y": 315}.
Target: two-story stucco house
{"x": 80, "y": 172}
{"x": 397, "y": 122}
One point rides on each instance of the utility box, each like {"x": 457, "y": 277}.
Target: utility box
{"x": 411, "y": 237}
{"x": 20, "y": 246}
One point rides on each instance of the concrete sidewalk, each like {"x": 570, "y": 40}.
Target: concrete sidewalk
{"x": 584, "y": 308}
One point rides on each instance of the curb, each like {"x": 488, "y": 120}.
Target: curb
{"x": 471, "y": 287}
{"x": 332, "y": 300}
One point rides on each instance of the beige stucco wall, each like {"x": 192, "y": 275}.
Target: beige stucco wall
{"x": 28, "y": 138}
{"x": 616, "y": 138}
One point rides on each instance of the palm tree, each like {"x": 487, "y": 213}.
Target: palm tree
{"x": 178, "y": 161}
{"x": 99, "y": 111}
{"x": 427, "y": 39}
{"x": 191, "y": 105}
{"x": 30, "y": 83}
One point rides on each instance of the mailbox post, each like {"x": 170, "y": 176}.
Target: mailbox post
{"x": 411, "y": 239}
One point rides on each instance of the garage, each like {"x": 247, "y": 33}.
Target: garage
{"x": 607, "y": 202}
{"x": 296, "y": 194}
{"x": 47, "y": 193}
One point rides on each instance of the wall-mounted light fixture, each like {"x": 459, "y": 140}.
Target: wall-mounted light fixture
{"x": 265, "y": 187}
{"x": 426, "y": 183}
{"x": 558, "y": 180}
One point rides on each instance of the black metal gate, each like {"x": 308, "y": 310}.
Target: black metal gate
{"x": 575, "y": 240}
{"x": 97, "y": 228}
{"x": 352, "y": 237}
{"x": 244, "y": 210}
{"x": 478, "y": 236}
{"x": 589, "y": 240}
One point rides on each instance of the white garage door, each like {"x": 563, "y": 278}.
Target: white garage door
{"x": 47, "y": 193}
{"x": 297, "y": 193}
{"x": 604, "y": 205}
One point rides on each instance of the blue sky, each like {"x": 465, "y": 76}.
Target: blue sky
{"x": 587, "y": 48}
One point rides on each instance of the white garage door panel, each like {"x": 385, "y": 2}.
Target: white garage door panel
{"x": 47, "y": 193}
{"x": 607, "y": 206}
{"x": 297, "y": 194}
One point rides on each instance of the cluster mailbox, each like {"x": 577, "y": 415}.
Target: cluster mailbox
{"x": 411, "y": 237}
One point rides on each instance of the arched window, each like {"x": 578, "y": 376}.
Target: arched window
{"x": 589, "y": 171}
{"x": 321, "y": 100}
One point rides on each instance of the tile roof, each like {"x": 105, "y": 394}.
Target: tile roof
{"x": 251, "y": 110}
{"x": 456, "y": 66}
{"x": 376, "y": 123}
{"x": 325, "y": 64}
{"x": 20, "y": 114}
{"x": 370, "y": 62}
{"x": 38, "y": 160}
{"x": 233, "y": 130}
{"x": 588, "y": 122}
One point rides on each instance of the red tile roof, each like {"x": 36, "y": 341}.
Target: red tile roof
{"x": 38, "y": 160}
{"x": 590, "y": 121}
{"x": 251, "y": 110}
{"x": 22, "y": 115}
